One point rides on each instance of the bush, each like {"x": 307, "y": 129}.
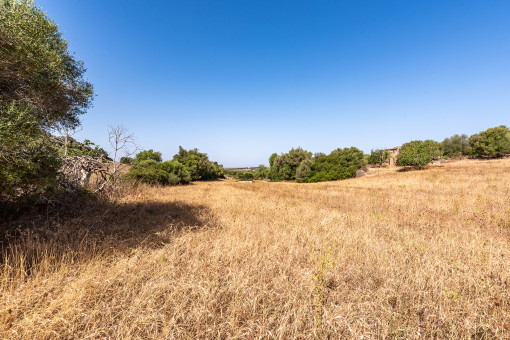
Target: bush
{"x": 198, "y": 164}
{"x": 339, "y": 164}
{"x": 419, "y": 153}
{"x": 159, "y": 173}
{"x": 493, "y": 142}
{"x": 28, "y": 160}
{"x": 285, "y": 166}
{"x": 304, "y": 170}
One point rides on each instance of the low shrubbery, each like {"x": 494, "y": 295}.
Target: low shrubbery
{"x": 186, "y": 166}
{"x": 300, "y": 165}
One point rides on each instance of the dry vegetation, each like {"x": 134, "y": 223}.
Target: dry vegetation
{"x": 389, "y": 255}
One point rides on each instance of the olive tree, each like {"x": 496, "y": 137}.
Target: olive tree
{"x": 419, "y": 153}
{"x": 42, "y": 86}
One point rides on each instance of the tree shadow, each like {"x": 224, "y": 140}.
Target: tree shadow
{"x": 98, "y": 227}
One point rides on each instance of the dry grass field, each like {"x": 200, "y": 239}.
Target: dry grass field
{"x": 417, "y": 254}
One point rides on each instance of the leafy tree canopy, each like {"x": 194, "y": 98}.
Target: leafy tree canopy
{"x": 36, "y": 68}
{"x": 285, "y": 166}
{"x": 198, "y": 164}
{"x": 456, "y": 145}
{"x": 419, "y": 153}
{"x": 493, "y": 142}
{"x": 148, "y": 154}
{"x": 339, "y": 164}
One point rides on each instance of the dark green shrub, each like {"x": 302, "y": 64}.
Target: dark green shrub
{"x": 339, "y": 164}
{"x": 456, "y": 145}
{"x": 493, "y": 142}
{"x": 285, "y": 166}
{"x": 198, "y": 164}
{"x": 159, "y": 173}
{"x": 28, "y": 160}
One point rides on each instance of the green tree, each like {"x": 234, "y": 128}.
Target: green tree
{"x": 419, "y": 153}
{"x": 36, "y": 68}
{"x": 493, "y": 142}
{"x": 148, "y": 154}
{"x": 339, "y": 164}
{"x": 41, "y": 86}
{"x": 198, "y": 164}
{"x": 262, "y": 172}
{"x": 286, "y": 165}
{"x": 272, "y": 158}
{"x": 304, "y": 170}
{"x": 28, "y": 160}
{"x": 456, "y": 145}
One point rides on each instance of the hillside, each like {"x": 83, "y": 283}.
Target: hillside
{"x": 391, "y": 254}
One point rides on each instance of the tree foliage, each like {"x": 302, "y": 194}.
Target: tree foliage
{"x": 146, "y": 155}
{"x": 186, "y": 166}
{"x": 36, "y": 67}
{"x": 456, "y": 145}
{"x": 379, "y": 156}
{"x": 339, "y": 164}
{"x": 493, "y": 142}
{"x": 85, "y": 148}
{"x": 285, "y": 165}
{"x": 198, "y": 164}
{"x": 41, "y": 86}
{"x": 28, "y": 160}
{"x": 161, "y": 173}
{"x": 419, "y": 153}
{"x": 299, "y": 165}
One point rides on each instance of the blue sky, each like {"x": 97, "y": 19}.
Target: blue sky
{"x": 242, "y": 79}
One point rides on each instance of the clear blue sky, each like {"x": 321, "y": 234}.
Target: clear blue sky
{"x": 242, "y": 79}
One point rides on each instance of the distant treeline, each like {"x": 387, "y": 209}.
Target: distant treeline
{"x": 302, "y": 166}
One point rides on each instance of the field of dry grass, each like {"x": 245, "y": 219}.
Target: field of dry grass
{"x": 418, "y": 254}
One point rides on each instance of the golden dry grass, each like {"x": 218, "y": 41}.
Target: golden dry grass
{"x": 389, "y": 255}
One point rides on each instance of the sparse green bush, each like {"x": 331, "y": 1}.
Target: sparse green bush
{"x": 378, "y": 156}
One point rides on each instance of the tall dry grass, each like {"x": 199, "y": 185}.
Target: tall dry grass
{"x": 389, "y": 255}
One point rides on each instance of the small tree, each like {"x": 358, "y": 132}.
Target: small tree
{"x": 419, "y": 153}
{"x": 456, "y": 145}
